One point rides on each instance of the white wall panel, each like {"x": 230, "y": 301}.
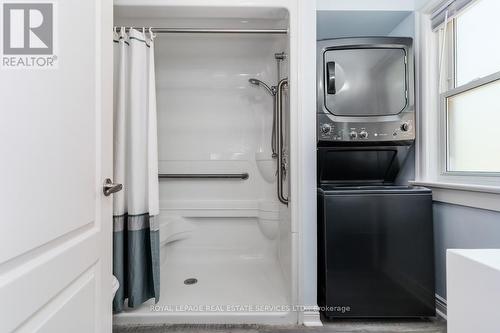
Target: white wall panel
{"x": 211, "y": 119}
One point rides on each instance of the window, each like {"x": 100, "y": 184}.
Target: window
{"x": 473, "y": 138}
{"x": 470, "y": 90}
{"x": 477, "y": 39}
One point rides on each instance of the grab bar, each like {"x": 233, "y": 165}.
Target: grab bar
{"x": 242, "y": 176}
{"x": 279, "y": 139}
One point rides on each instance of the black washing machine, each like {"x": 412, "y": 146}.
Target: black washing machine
{"x": 375, "y": 251}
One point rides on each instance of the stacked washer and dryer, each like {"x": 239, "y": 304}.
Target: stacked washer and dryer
{"x": 375, "y": 235}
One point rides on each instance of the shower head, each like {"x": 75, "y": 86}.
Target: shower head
{"x": 254, "y": 81}
{"x": 258, "y": 82}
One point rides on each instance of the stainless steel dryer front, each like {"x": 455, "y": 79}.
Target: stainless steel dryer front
{"x": 365, "y": 90}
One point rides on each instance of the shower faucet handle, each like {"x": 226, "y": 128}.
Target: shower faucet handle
{"x": 109, "y": 187}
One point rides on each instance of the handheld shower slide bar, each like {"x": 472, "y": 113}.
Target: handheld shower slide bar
{"x": 279, "y": 134}
{"x": 272, "y": 90}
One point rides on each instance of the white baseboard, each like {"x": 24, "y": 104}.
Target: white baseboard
{"x": 311, "y": 317}
{"x": 441, "y": 307}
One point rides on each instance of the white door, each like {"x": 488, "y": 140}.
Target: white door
{"x": 55, "y": 152}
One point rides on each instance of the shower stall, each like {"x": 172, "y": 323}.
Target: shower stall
{"x": 223, "y": 103}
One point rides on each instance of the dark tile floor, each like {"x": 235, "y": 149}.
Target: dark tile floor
{"x": 343, "y": 326}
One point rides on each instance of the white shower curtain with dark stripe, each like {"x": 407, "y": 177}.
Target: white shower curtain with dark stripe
{"x": 136, "y": 208}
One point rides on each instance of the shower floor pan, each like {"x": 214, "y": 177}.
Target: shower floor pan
{"x": 230, "y": 287}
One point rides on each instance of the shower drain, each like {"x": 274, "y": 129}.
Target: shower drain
{"x": 190, "y": 281}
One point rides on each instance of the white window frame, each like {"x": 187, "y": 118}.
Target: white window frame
{"x": 472, "y": 177}
{"x": 473, "y": 189}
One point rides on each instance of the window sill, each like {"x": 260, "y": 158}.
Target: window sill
{"x": 476, "y": 196}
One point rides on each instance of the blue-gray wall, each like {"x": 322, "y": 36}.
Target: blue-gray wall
{"x": 358, "y": 23}
{"x": 465, "y": 228}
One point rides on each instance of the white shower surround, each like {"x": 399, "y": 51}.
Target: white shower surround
{"x": 302, "y": 150}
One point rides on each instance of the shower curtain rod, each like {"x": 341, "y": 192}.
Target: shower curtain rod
{"x": 209, "y": 30}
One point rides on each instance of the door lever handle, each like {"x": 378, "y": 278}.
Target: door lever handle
{"x": 109, "y": 187}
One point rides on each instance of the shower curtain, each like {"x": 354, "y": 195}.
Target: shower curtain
{"x": 136, "y": 207}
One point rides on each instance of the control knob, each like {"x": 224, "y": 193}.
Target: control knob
{"x": 405, "y": 127}
{"x": 326, "y": 129}
{"x": 363, "y": 134}
{"x": 353, "y": 135}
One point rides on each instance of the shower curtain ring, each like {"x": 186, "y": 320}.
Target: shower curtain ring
{"x": 151, "y": 34}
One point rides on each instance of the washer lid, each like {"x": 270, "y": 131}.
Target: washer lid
{"x": 374, "y": 165}
{"x": 329, "y": 189}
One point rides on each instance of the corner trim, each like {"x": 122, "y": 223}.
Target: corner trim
{"x": 311, "y": 317}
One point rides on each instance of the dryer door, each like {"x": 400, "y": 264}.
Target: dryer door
{"x": 365, "y": 81}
